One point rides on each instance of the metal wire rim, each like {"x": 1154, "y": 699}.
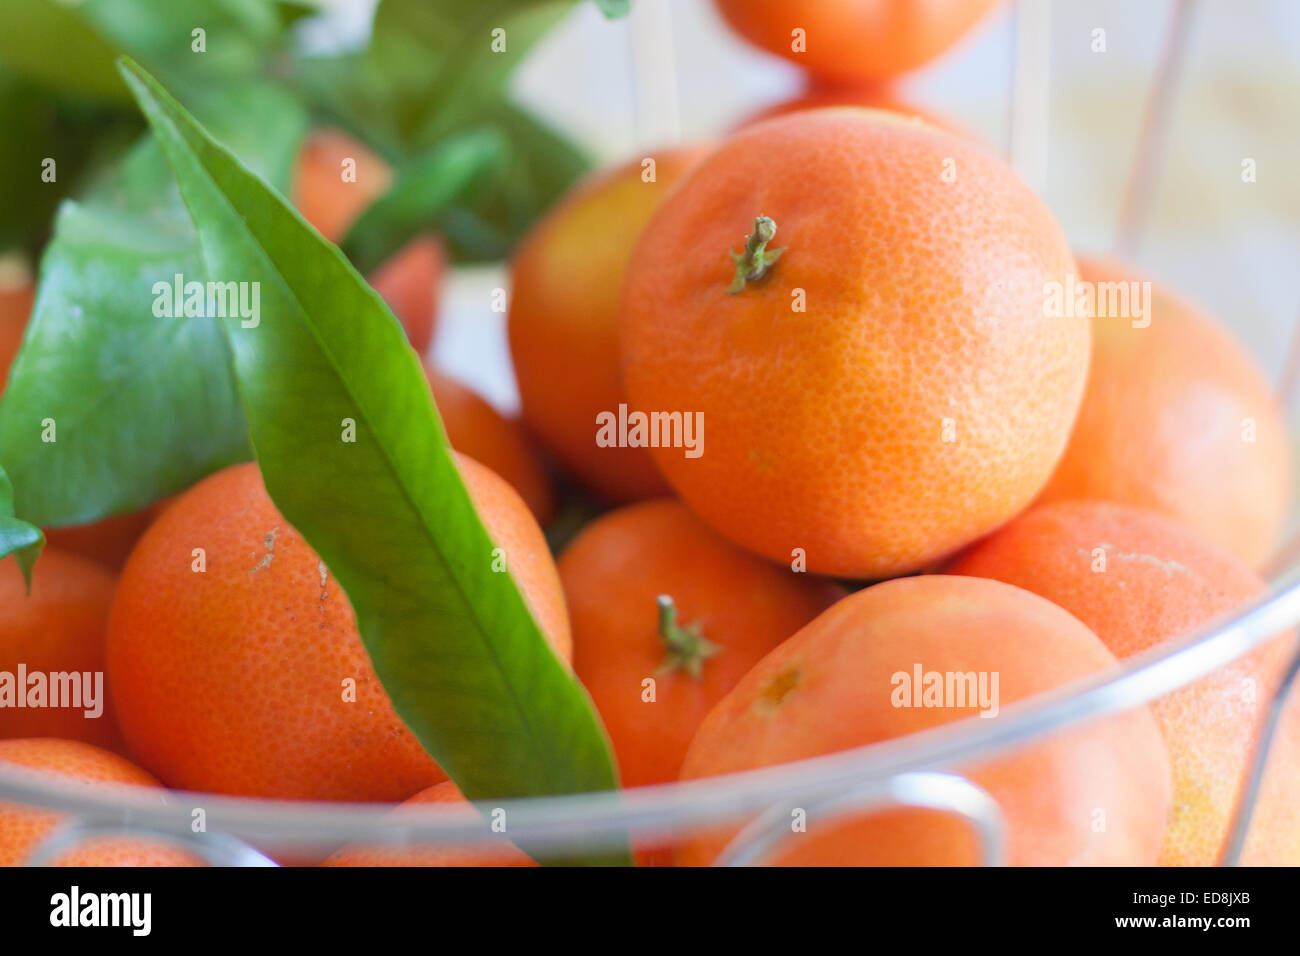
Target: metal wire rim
{"x": 604, "y": 820}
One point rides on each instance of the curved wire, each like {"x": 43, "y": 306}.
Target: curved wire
{"x": 216, "y": 849}
{"x": 604, "y": 820}
{"x": 760, "y": 840}
{"x": 1245, "y": 807}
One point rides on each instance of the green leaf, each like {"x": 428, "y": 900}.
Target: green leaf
{"x": 431, "y": 73}
{"x": 454, "y": 644}
{"x": 56, "y": 45}
{"x": 17, "y": 537}
{"x": 141, "y": 405}
{"x": 80, "y": 137}
{"x": 72, "y": 46}
{"x": 485, "y": 224}
{"x": 615, "y": 8}
{"x": 423, "y": 189}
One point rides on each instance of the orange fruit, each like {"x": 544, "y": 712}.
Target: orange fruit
{"x": 478, "y": 430}
{"x": 1138, "y": 579}
{"x": 445, "y": 792}
{"x": 855, "y": 39}
{"x": 15, "y": 307}
{"x": 22, "y": 828}
{"x": 233, "y": 680}
{"x": 891, "y": 388}
{"x": 107, "y": 541}
{"x": 410, "y": 282}
{"x": 1178, "y": 418}
{"x": 874, "y": 96}
{"x": 728, "y": 609}
{"x": 58, "y": 628}
{"x": 1095, "y": 794}
{"x": 335, "y": 178}
{"x": 563, "y": 321}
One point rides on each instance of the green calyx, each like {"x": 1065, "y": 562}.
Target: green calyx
{"x": 687, "y": 649}
{"x": 756, "y": 259}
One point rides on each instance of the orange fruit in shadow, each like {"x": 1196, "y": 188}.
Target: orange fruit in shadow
{"x": 1139, "y": 579}
{"x": 891, "y": 388}
{"x": 59, "y": 628}
{"x": 563, "y": 321}
{"x": 15, "y": 308}
{"x": 478, "y": 430}
{"x": 728, "y": 609}
{"x": 873, "y": 96}
{"x": 335, "y": 178}
{"x": 233, "y": 680}
{"x": 845, "y": 680}
{"x": 1178, "y": 418}
{"x": 108, "y": 541}
{"x": 411, "y": 282}
{"x": 850, "y": 40}
{"x": 22, "y": 828}
{"x": 500, "y": 854}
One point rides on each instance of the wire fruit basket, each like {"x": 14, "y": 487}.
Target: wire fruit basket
{"x": 913, "y": 771}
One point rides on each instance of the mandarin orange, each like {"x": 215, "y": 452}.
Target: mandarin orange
{"x": 1098, "y": 793}
{"x": 889, "y": 389}
{"x": 253, "y": 656}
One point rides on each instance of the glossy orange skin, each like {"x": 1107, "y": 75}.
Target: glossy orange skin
{"x": 829, "y": 688}
{"x": 319, "y": 191}
{"x": 478, "y": 430}
{"x": 614, "y": 571}
{"x": 15, "y": 308}
{"x": 230, "y": 681}
{"x": 1160, "y": 581}
{"x": 824, "y": 429}
{"x": 850, "y": 40}
{"x": 1161, "y": 425}
{"x": 563, "y": 321}
{"x": 21, "y": 828}
{"x": 59, "y": 627}
{"x": 411, "y": 283}
{"x": 445, "y": 792}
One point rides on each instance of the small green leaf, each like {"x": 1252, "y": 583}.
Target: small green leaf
{"x": 141, "y": 405}
{"x": 487, "y": 222}
{"x": 423, "y": 189}
{"x": 437, "y": 70}
{"x": 615, "y": 8}
{"x": 17, "y": 537}
{"x": 454, "y": 644}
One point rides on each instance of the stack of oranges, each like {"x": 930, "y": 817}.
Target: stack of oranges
{"x": 879, "y": 484}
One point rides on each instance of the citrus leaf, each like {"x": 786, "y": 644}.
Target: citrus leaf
{"x": 453, "y": 642}
{"x": 424, "y": 188}
{"x": 436, "y": 70}
{"x": 56, "y": 45}
{"x": 486, "y": 222}
{"x": 72, "y": 46}
{"x": 82, "y": 138}
{"x": 140, "y": 406}
{"x": 17, "y": 537}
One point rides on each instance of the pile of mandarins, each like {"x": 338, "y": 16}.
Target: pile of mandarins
{"x": 905, "y": 465}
